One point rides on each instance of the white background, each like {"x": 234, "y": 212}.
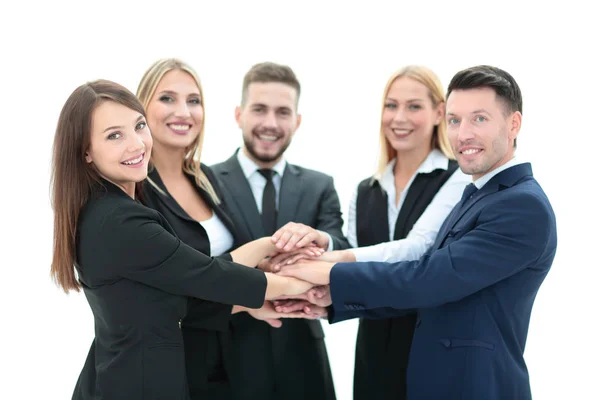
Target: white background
{"x": 343, "y": 54}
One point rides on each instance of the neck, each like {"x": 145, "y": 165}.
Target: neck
{"x": 407, "y": 162}
{"x": 261, "y": 164}
{"x": 168, "y": 161}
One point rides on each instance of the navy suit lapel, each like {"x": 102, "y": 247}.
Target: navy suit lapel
{"x": 289, "y": 195}
{"x": 507, "y": 178}
{"x": 235, "y": 181}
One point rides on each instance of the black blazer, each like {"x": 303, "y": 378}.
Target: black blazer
{"x": 136, "y": 275}
{"x": 206, "y": 323}
{"x": 295, "y": 365}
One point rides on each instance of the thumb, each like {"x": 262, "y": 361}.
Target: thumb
{"x": 275, "y": 323}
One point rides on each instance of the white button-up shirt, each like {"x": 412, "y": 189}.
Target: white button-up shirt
{"x": 426, "y": 228}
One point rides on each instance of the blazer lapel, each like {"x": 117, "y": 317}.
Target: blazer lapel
{"x": 507, "y": 178}
{"x": 235, "y": 181}
{"x": 289, "y": 195}
{"x": 166, "y": 198}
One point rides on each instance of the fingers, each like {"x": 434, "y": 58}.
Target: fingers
{"x": 315, "y": 310}
{"x": 300, "y": 308}
{"x": 293, "y": 235}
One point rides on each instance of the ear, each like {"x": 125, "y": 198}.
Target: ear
{"x": 88, "y": 158}
{"x": 515, "y": 125}
{"x": 238, "y": 114}
{"x": 440, "y": 112}
{"x": 298, "y": 121}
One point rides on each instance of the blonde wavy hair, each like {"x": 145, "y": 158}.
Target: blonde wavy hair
{"x": 439, "y": 140}
{"x": 145, "y": 91}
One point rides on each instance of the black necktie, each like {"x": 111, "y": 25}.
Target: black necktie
{"x": 269, "y": 210}
{"x": 470, "y": 189}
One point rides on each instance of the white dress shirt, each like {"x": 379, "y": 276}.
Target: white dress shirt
{"x": 486, "y": 178}
{"x": 258, "y": 182}
{"x": 425, "y": 230}
{"x": 219, "y": 237}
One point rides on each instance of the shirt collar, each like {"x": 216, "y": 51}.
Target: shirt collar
{"x": 486, "y": 178}
{"x": 435, "y": 160}
{"x": 249, "y": 167}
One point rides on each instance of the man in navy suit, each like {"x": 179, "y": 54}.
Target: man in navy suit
{"x": 475, "y": 288}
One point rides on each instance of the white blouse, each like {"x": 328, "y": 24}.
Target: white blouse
{"x": 425, "y": 230}
{"x": 221, "y": 240}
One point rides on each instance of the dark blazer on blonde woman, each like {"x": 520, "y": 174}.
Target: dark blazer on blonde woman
{"x": 206, "y": 324}
{"x": 137, "y": 276}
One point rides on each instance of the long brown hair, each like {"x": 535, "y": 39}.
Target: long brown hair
{"x": 145, "y": 91}
{"x": 72, "y": 178}
{"x": 439, "y": 140}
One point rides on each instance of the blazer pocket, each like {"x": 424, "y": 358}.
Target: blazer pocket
{"x": 452, "y": 343}
{"x": 164, "y": 372}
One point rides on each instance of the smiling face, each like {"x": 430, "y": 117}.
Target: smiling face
{"x": 268, "y": 120}
{"x": 409, "y": 116}
{"x": 175, "y": 111}
{"x": 120, "y": 145}
{"x": 481, "y": 130}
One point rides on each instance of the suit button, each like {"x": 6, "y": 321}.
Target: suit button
{"x": 446, "y": 342}
{"x": 179, "y": 324}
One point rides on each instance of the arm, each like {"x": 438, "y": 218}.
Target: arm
{"x": 351, "y": 234}
{"x": 253, "y": 252}
{"x": 499, "y": 246}
{"x": 425, "y": 230}
{"x": 139, "y": 248}
{"x": 329, "y": 218}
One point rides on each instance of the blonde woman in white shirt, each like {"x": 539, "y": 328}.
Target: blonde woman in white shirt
{"x": 395, "y": 216}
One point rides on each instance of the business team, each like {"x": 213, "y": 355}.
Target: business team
{"x": 211, "y": 279}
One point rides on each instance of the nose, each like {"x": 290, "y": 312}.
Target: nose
{"x": 182, "y": 109}
{"x": 400, "y": 115}
{"x": 136, "y": 143}
{"x": 270, "y": 120}
{"x": 465, "y": 133}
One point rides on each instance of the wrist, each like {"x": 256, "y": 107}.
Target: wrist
{"x": 237, "y": 309}
{"x": 348, "y": 256}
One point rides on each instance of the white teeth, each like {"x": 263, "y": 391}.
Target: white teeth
{"x": 180, "y": 127}
{"x": 267, "y": 138}
{"x": 471, "y": 151}
{"x": 135, "y": 161}
{"x": 401, "y": 131}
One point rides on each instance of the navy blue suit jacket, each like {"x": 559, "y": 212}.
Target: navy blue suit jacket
{"x": 473, "y": 291}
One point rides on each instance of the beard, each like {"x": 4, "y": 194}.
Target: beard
{"x": 252, "y": 147}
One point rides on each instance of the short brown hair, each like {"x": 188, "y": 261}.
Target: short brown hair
{"x": 72, "y": 177}
{"x": 270, "y": 72}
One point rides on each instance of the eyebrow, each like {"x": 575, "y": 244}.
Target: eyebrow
{"x": 408, "y": 101}
{"x": 478, "y": 111}
{"x": 175, "y": 93}
{"x": 138, "y": 119}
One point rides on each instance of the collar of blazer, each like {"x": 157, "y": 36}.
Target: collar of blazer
{"x": 158, "y": 186}
{"x": 292, "y": 185}
{"x": 105, "y": 186}
{"x": 505, "y": 179}
{"x": 231, "y": 164}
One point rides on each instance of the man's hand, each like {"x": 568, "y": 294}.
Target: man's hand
{"x": 293, "y": 235}
{"x": 316, "y": 272}
{"x": 289, "y": 306}
{"x": 273, "y": 263}
{"x": 319, "y": 296}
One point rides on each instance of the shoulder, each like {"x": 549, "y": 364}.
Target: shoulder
{"x": 313, "y": 175}
{"x": 525, "y": 205}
